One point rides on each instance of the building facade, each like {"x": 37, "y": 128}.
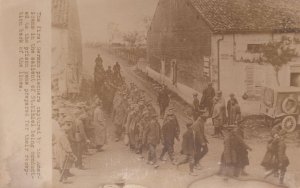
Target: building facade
{"x": 192, "y": 42}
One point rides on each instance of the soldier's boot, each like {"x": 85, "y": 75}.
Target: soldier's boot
{"x": 161, "y": 157}
{"x": 68, "y": 173}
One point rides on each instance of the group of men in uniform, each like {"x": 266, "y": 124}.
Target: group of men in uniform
{"x": 215, "y": 104}
{"x": 76, "y": 128}
{"x": 234, "y": 157}
{"x": 136, "y": 120}
{"x": 275, "y": 160}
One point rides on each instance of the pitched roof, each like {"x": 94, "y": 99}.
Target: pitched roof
{"x": 250, "y": 15}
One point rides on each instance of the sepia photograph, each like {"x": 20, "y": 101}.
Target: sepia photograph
{"x": 175, "y": 93}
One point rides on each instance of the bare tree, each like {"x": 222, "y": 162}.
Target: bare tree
{"x": 113, "y": 31}
{"x": 277, "y": 54}
{"x": 133, "y": 42}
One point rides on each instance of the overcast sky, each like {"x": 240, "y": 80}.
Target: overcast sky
{"x": 95, "y": 15}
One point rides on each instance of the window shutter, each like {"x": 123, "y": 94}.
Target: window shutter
{"x": 249, "y": 80}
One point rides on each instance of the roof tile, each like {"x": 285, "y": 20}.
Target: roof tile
{"x": 250, "y": 15}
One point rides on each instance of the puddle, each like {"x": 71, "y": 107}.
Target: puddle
{"x": 216, "y": 182}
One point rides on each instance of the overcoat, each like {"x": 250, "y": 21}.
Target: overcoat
{"x": 100, "y": 128}
{"x": 170, "y": 129}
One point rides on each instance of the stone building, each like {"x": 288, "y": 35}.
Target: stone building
{"x": 191, "y": 42}
{"x": 66, "y": 48}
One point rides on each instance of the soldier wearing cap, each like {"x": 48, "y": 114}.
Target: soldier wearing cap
{"x": 234, "y": 110}
{"x": 219, "y": 114}
{"x": 229, "y": 155}
{"x": 207, "y": 98}
{"x": 65, "y": 156}
{"x": 120, "y": 114}
{"x": 163, "y": 100}
{"x": 201, "y": 141}
{"x": 99, "y": 76}
{"x": 242, "y": 151}
{"x": 130, "y": 126}
{"x": 79, "y": 139}
{"x": 100, "y": 127}
{"x": 196, "y": 106}
{"x": 152, "y": 137}
{"x": 142, "y": 122}
{"x": 232, "y": 161}
{"x": 170, "y": 132}
{"x": 188, "y": 147}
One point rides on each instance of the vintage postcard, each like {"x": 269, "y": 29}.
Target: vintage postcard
{"x": 149, "y": 93}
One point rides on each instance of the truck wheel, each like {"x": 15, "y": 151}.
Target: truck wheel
{"x": 289, "y": 105}
{"x": 289, "y": 123}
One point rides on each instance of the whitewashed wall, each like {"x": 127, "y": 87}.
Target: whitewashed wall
{"x": 233, "y": 74}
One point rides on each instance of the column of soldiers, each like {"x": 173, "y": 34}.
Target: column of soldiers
{"x": 106, "y": 82}
{"x": 136, "y": 122}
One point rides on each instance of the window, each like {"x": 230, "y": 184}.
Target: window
{"x": 254, "y": 48}
{"x": 295, "y": 79}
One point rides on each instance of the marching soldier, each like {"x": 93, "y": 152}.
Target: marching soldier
{"x": 196, "y": 107}
{"x": 99, "y": 76}
{"x": 119, "y": 119}
{"x": 65, "y": 156}
{"x": 234, "y": 110}
{"x": 79, "y": 139}
{"x": 200, "y": 139}
{"x": 152, "y": 139}
{"x": 229, "y": 155}
{"x": 188, "y": 148}
{"x": 283, "y": 160}
{"x": 242, "y": 151}
{"x": 207, "y": 98}
{"x": 219, "y": 114}
{"x": 170, "y": 132}
{"x": 163, "y": 100}
{"x": 100, "y": 127}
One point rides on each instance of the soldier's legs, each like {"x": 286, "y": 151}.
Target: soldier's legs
{"x": 170, "y": 149}
{"x": 197, "y": 154}
{"x": 201, "y": 151}
{"x": 78, "y": 153}
{"x": 118, "y": 131}
{"x": 149, "y": 153}
{"x": 204, "y": 151}
{"x": 191, "y": 163}
{"x": 152, "y": 153}
{"x": 164, "y": 151}
{"x": 282, "y": 174}
{"x": 209, "y": 108}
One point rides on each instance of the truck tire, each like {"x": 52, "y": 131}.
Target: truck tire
{"x": 289, "y": 123}
{"x": 285, "y": 106}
